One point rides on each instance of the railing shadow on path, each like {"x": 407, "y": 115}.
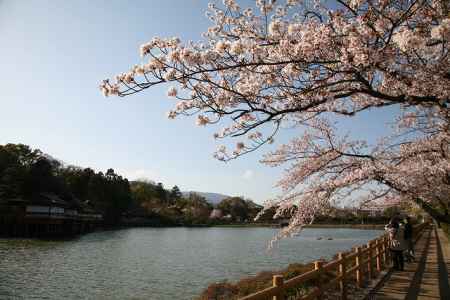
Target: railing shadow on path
{"x": 426, "y": 278}
{"x": 444, "y": 287}
{"x": 414, "y": 288}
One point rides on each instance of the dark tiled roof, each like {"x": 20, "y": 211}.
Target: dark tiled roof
{"x": 49, "y": 199}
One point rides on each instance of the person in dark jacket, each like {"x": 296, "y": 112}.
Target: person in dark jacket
{"x": 397, "y": 243}
{"x": 409, "y": 240}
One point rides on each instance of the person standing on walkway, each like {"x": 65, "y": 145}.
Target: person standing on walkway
{"x": 409, "y": 240}
{"x": 396, "y": 243}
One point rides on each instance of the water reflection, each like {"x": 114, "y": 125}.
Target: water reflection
{"x": 155, "y": 263}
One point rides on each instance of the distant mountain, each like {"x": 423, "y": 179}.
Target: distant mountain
{"x": 213, "y": 198}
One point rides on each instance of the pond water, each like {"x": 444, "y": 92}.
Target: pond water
{"x": 155, "y": 263}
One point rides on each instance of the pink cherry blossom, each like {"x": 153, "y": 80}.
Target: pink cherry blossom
{"x": 172, "y": 92}
{"x": 301, "y": 64}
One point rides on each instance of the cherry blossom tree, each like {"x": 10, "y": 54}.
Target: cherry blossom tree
{"x": 310, "y": 64}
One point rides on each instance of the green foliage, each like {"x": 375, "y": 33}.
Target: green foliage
{"x": 108, "y": 193}
{"x": 15, "y": 164}
{"x": 239, "y": 209}
{"x": 27, "y": 173}
{"x": 446, "y": 229}
{"x": 151, "y": 199}
{"x": 175, "y": 193}
{"x": 196, "y": 209}
{"x": 391, "y": 211}
{"x": 161, "y": 193}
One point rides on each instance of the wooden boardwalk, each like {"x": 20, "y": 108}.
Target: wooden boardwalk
{"x": 426, "y": 278}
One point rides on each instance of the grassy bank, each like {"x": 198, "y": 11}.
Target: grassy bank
{"x": 227, "y": 290}
{"x": 234, "y": 290}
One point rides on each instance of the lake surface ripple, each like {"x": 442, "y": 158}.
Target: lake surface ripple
{"x": 155, "y": 263}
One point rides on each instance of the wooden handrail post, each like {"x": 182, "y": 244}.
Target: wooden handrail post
{"x": 342, "y": 270}
{"x": 358, "y": 267}
{"x": 318, "y": 267}
{"x": 384, "y": 249}
{"x": 369, "y": 261}
{"x": 378, "y": 255}
{"x": 278, "y": 281}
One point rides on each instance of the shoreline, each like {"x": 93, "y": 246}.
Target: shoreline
{"x": 247, "y": 225}
{"x": 348, "y": 226}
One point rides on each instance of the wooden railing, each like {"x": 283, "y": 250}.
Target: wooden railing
{"x": 364, "y": 263}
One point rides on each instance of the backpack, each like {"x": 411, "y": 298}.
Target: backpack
{"x": 394, "y": 243}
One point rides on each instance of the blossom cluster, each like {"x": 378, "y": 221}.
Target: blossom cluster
{"x": 296, "y": 63}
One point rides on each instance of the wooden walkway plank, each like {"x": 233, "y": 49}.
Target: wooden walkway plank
{"x": 443, "y": 253}
{"x": 425, "y": 278}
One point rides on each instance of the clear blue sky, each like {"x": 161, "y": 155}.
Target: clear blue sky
{"x": 53, "y": 55}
